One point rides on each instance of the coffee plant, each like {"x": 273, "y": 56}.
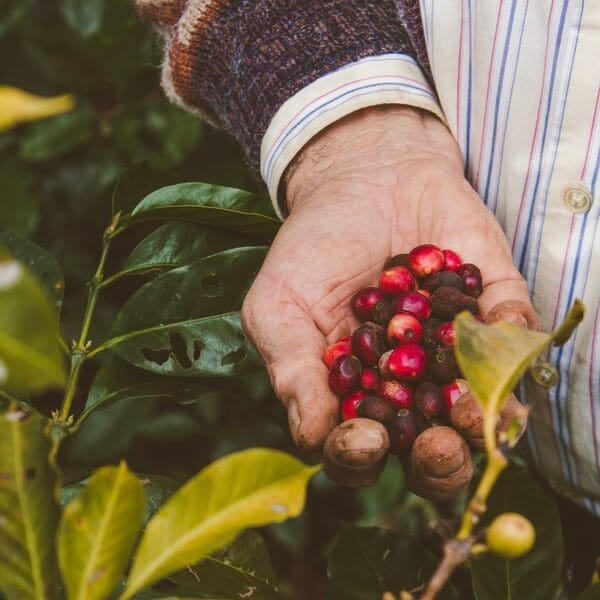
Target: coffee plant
{"x": 142, "y": 452}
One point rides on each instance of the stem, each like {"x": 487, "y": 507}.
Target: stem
{"x": 496, "y": 463}
{"x": 456, "y": 552}
{"x": 79, "y": 352}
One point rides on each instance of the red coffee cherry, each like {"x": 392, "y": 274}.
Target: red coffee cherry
{"x": 339, "y": 348}
{"x": 445, "y": 333}
{"x": 368, "y": 343}
{"x": 404, "y": 328}
{"x": 364, "y": 301}
{"x": 408, "y": 362}
{"x": 471, "y": 276}
{"x": 451, "y": 260}
{"x": 452, "y": 392}
{"x": 398, "y": 394}
{"x": 344, "y": 375}
{"x": 413, "y": 303}
{"x": 428, "y": 400}
{"x": 396, "y": 280}
{"x": 350, "y": 404}
{"x": 369, "y": 379}
{"x": 425, "y": 260}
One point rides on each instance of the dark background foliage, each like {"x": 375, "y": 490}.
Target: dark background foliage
{"x": 57, "y": 178}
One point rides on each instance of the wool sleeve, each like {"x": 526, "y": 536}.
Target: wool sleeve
{"x": 273, "y": 73}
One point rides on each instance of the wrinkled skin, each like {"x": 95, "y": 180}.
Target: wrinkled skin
{"x": 374, "y": 184}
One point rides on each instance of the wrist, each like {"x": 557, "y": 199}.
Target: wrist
{"x": 380, "y": 143}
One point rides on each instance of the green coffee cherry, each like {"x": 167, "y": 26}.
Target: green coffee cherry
{"x": 510, "y": 535}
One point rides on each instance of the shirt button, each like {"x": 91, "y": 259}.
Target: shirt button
{"x": 578, "y": 198}
{"x": 545, "y": 374}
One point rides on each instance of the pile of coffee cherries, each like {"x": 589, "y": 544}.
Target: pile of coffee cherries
{"x": 399, "y": 367}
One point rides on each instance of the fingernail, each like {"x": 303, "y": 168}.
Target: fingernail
{"x": 293, "y": 419}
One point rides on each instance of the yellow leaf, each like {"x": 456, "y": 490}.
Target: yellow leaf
{"x": 18, "y": 106}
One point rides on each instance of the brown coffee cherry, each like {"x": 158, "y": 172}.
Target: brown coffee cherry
{"x": 441, "y": 365}
{"x": 447, "y": 302}
{"x": 376, "y": 408}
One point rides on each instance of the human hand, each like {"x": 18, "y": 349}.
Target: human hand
{"x": 375, "y": 184}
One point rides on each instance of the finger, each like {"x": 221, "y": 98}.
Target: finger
{"x": 355, "y": 452}
{"x": 466, "y": 417}
{"x": 439, "y": 466}
{"x": 291, "y": 347}
{"x": 513, "y": 311}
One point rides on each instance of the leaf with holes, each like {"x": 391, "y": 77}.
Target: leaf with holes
{"x": 243, "y": 570}
{"x": 40, "y": 262}
{"x": 174, "y": 245}
{"x": 183, "y": 322}
{"x": 28, "y": 508}
{"x": 97, "y": 531}
{"x": 30, "y": 355}
{"x": 118, "y": 380}
{"x": 245, "y": 489}
{"x": 494, "y": 357}
{"x": 227, "y": 208}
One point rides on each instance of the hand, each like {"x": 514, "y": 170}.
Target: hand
{"x": 375, "y": 184}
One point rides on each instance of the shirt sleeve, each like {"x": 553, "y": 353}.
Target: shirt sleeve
{"x": 275, "y": 73}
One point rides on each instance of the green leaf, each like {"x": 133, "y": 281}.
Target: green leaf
{"x": 136, "y": 182}
{"x": 54, "y": 137}
{"x": 365, "y": 562}
{"x": 97, "y": 532}
{"x": 84, "y": 16}
{"x": 243, "y": 570}
{"x": 183, "y": 322}
{"x": 40, "y": 262}
{"x": 212, "y": 205}
{"x": 30, "y": 354}
{"x": 20, "y": 206}
{"x": 590, "y": 593}
{"x": 537, "y": 574}
{"x": 246, "y": 489}
{"x": 117, "y": 380}
{"x": 177, "y": 244}
{"x": 494, "y": 357}
{"x": 28, "y": 508}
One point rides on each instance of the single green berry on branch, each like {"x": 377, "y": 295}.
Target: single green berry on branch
{"x": 510, "y": 535}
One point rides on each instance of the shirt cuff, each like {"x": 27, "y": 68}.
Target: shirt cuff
{"x": 385, "y": 79}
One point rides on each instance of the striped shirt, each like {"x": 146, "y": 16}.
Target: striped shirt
{"x": 518, "y": 84}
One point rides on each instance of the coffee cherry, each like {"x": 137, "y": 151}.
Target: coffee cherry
{"x": 364, "y": 301}
{"x": 443, "y": 278}
{"x": 384, "y": 364}
{"x": 413, "y": 303}
{"x": 376, "y": 408}
{"x": 382, "y": 312}
{"x": 403, "y": 431}
{"x": 510, "y": 535}
{"x": 445, "y": 333}
{"x": 425, "y": 260}
{"x": 408, "y": 362}
{"x": 368, "y": 343}
{"x": 398, "y": 260}
{"x": 428, "y": 400}
{"x": 350, "y": 404}
{"x": 447, "y": 302}
{"x": 441, "y": 364}
{"x": 339, "y": 348}
{"x": 396, "y": 280}
{"x": 344, "y": 375}
{"x": 404, "y": 328}
{"x": 471, "y": 276}
{"x": 369, "y": 379}
{"x": 451, "y": 392}
{"x": 399, "y": 395}
{"x": 451, "y": 260}
{"x": 430, "y": 340}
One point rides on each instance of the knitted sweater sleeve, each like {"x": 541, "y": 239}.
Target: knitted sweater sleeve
{"x": 273, "y": 73}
